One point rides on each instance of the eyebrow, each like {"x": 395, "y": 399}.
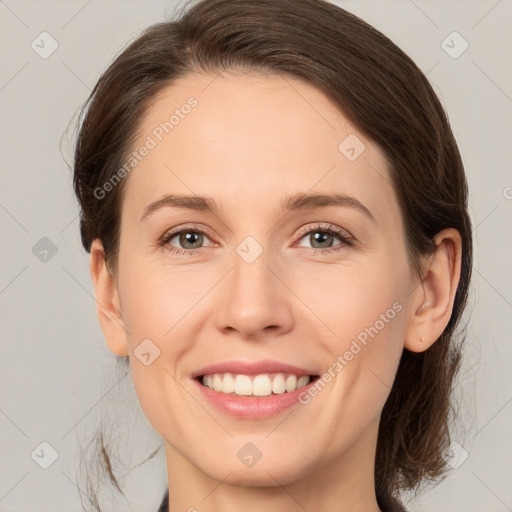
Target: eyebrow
{"x": 300, "y": 201}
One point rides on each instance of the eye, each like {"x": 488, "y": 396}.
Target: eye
{"x": 190, "y": 239}
{"x": 321, "y": 238}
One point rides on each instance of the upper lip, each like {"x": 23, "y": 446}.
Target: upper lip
{"x": 252, "y": 368}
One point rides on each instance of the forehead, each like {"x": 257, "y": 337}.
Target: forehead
{"x": 245, "y": 138}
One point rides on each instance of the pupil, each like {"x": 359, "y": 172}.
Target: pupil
{"x": 320, "y": 235}
{"x": 186, "y": 238}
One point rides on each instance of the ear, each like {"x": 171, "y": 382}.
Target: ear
{"x": 432, "y": 299}
{"x": 107, "y": 301}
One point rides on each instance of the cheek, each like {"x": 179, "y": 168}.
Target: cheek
{"x": 152, "y": 309}
{"x": 153, "y": 298}
{"x": 350, "y": 299}
{"x": 369, "y": 339}
{"x": 364, "y": 311}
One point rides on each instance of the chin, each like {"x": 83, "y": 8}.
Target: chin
{"x": 264, "y": 473}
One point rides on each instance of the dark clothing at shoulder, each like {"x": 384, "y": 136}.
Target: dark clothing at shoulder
{"x": 164, "y": 506}
{"x": 386, "y": 504}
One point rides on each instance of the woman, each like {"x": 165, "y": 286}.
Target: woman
{"x": 276, "y": 212}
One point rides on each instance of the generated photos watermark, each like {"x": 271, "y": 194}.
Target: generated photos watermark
{"x": 360, "y": 341}
{"x": 152, "y": 140}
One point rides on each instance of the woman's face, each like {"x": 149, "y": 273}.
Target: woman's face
{"x": 264, "y": 282}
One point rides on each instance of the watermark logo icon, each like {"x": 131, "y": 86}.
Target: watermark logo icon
{"x": 456, "y": 455}
{"x": 249, "y": 249}
{"x": 351, "y": 147}
{"x": 44, "y": 455}
{"x": 249, "y": 455}
{"x": 147, "y": 352}
{"x": 44, "y": 250}
{"x": 44, "y": 45}
{"x": 454, "y": 45}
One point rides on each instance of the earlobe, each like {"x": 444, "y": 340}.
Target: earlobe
{"x": 107, "y": 302}
{"x": 433, "y": 298}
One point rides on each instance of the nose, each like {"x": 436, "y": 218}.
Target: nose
{"x": 255, "y": 300}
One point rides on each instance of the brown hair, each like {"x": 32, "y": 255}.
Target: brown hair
{"x": 380, "y": 89}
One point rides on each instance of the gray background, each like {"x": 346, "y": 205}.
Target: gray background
{"x": 57, "y": 376}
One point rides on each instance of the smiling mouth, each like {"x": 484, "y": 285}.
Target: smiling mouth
{"x": 260, "y": 386}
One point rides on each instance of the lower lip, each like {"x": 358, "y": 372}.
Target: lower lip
{"x": 250, "y": 406}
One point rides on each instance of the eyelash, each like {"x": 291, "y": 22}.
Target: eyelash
{"x": 345, "y": 238}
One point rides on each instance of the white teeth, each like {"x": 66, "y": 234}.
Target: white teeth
{"x": 302, "y": 381}
{"x": 262, "y": 385}
{"x": 291, "y": 383}
{"x": 228, "y": 384}
{"x": 208, "y": 381}
{"x": 278, "y": 384}
{"x": 243, "y": 385}
{"x": 257, "y": 385}
{"x": 217, "y": 382}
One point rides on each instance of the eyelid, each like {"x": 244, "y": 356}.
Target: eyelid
{"x": 190, "y": 227}
{"x": 329, "y": 228}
